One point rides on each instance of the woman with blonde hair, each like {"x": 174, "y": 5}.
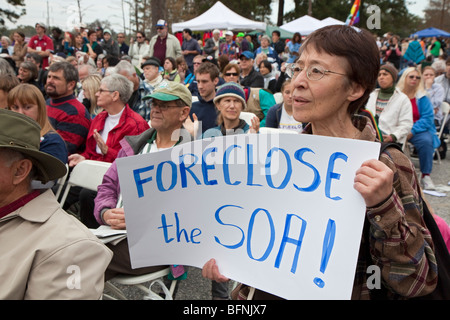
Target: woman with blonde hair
{"x": 423, "y": 132}
{"x": 90, "y": 87}
{"x": 28, "y": 100}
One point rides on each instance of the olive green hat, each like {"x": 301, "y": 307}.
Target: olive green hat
{"x": 21, "y": 133}
{"x": 171, "y": 91}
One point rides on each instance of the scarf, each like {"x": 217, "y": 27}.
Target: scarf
{"x": 241, "y": 125}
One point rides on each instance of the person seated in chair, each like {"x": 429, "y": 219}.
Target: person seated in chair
{"x": 46, "y": 254}
{"x": 169, "y": 109}
{"x": 116, "y": 121}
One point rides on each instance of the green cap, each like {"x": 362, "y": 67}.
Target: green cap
{"x": 171, "y": 91}
{"x": 240, "y": 34}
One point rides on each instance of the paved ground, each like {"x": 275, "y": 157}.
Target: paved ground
{"x": 195, "y": 287}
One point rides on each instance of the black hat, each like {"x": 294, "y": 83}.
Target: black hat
{"x": 152, "y": 61}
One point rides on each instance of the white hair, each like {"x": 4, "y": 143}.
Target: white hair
{"x": 126, "y": 67}
{"x": 121, "y": 84}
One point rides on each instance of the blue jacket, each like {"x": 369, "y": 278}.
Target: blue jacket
{"x": 274, "y": 115}
{"x": 272, "y": 54}
{"x": 206, "y": 112}
{"x": 53, "y": 144}
{"x": 426, "y": 121}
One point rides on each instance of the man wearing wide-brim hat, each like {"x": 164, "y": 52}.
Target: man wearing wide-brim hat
{"x": 46, "y": 253}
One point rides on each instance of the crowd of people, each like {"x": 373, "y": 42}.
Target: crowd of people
{"x": 95, "y": 97}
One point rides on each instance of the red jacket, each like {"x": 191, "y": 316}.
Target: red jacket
{"x": 130, "y": 124}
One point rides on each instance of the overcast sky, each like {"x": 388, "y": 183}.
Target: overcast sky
{"x": 63, "y": 12}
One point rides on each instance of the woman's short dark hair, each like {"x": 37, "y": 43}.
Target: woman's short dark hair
{"x": 358, "y": 47}
{"x": 266, "y": 64}
{"x": 21, "y": 34}
{"x": 173, "y": 62}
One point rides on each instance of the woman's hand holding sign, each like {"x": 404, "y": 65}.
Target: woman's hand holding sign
{"x": 211, "y": 271}
{"x": 374, "y": 181}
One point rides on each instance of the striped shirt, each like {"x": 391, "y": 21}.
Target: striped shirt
{"x": 71, "y": 120}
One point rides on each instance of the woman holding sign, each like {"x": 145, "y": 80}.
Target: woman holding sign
{"x": 333, "y": 78}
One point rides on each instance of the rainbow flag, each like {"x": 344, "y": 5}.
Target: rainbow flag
{"x": 353, "y": 17}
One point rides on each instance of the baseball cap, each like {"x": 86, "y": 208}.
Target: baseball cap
{"x": 240, "y": 34}
{"x": 171, "y": 91}
{"x": 41, "y": 24}
{"x": 229, "y": 33}
{"x": 247, "y": 54}
{"x": 161, "y": 23}
{"x": 107, "y": 31}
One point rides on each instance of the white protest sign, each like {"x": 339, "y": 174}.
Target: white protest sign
{"x": 277, "y": 212}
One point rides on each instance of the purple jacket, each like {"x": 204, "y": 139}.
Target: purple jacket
{"x": 109, "y": 191}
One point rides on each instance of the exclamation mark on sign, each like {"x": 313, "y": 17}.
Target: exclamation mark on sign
{"x": 328, "y": 242}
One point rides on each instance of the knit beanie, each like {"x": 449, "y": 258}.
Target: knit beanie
{"x": 231, "y": 89}
{"x": 391, "y": 69}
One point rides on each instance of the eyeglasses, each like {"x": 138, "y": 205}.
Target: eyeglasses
{"x": 139, "y": 37}
{"x": 103, "y": 90}
{"x": 412, "y": 77}
{"x": 314, "y": 72}
{"x": 159, "y": 28}
{"x": 231, "y": 74}
{"x": 161, "y": 106}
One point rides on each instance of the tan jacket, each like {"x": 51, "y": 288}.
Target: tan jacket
{"x": 173, "y": 46}
{"x": 46, "y": 253}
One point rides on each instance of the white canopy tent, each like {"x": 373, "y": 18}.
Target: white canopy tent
{"x": 219, "y": 17}
{"x": 331, "y": 21}
{"x": 305, "y": 25}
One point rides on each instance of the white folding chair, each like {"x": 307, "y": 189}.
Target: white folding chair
{"x": 138, "y": 282}
{"x": 445, "y": 107}
{"x": 267, "y": 130}
{"x": 86, "y": 174}
{"x": 60, "y": 182}
{"x": 278, "y": 96}
{"x": 247, "y": 116}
